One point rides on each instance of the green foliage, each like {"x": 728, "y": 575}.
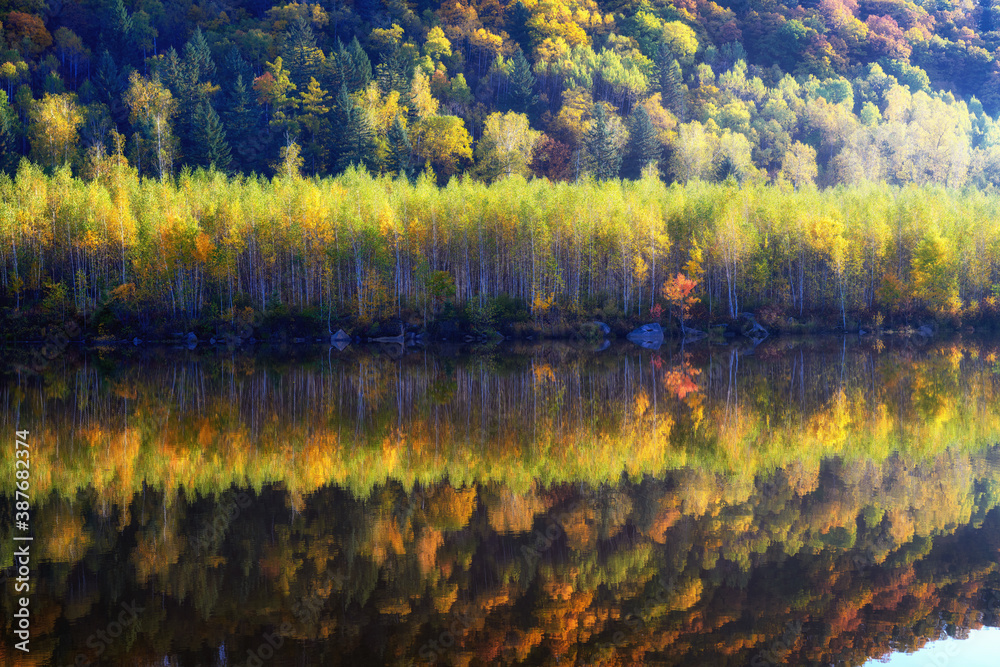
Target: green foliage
{"x": 603, "y": 156}
{"x": 211, "y": 146}
{"x": 522, "y": 96}
{"x": 643, "y": 148}
{"x": 353, "y": 133}
{"x": 879, "y": 92}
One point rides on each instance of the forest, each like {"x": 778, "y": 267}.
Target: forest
{"x": 125, "y": 255}
{"x": 219, "y": 164}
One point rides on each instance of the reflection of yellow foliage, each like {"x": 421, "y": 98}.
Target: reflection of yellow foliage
{"x": 514, "y": 512}
{"x": 686, "y": 594}
{"x": 66, "y": 541}
{"x": 427, "y": 547}
{"x": 449, "y": 508}
{"x": 385, "y": 539}
{"x": 667, "y": 515}
{"x": 641, "y": 403}
{"x": 542, "y": 372}
{"x": 580, "y": 528}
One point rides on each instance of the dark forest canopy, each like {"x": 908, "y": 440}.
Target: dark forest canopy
{"x": 824, "y": 92}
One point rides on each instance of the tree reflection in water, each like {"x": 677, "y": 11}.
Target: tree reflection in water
{"x": 791, "y": 504}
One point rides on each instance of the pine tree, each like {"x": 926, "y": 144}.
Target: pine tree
{"x": 107, "y": 79}
{"x": 523, "y": 98}
{"x": 199, "y": 57}
{"x": 353, "y": 68}
{"x": 7, "y": 127}
{"x": 189, "y": 79}
{"x": 353, "y": 135}
{"x": 242, "y": 120}
{"x": 117, "y": 29}
{"x": 672, "y": 90}
{"x": 236, "y": 65}
{"x": 303, "y": 58}
{"x": 400, "y": 159}
{"x": 517, "y": 25}
{"x": 644, "y": 147}
{"x": 393, "y": 74}
{"x": 211, "y": 147}
{"x": 603, "y": 159}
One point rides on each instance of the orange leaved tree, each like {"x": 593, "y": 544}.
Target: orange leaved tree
{"x": 677, "y": 292}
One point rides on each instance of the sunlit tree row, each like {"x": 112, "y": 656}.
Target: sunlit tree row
{"x": 362, "y": 248}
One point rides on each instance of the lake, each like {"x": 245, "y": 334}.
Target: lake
{"x": 823, "y": 501}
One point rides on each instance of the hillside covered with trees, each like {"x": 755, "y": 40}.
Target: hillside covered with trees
{"x": 115, "y": 101}
{"x": 832, "y": 91}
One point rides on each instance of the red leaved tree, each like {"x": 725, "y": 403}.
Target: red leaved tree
{"x": 677, "y": 293}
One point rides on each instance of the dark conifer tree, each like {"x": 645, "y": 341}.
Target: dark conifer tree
{"x": 107, "y": 80}
{"x": 211, "y": 147}
{"x": 8, "y": 158}
{"x": 116, "y": 30}
{"x": 671, "y": 79}
{"x": 353, "y": 137}
{"x": 603, "y": 159}
{"x": 644, "y": 147}
{"x": 303, "y": 59}
{"x": 198, "y": 57}
{"x": 393, "y": 74}
{"x": 522, "y": 98}
{"x": 400, "y": 160}
{"x": 517, "y": 26}
{"x": 235, "y": 65}
{"x": 359, "y": 72}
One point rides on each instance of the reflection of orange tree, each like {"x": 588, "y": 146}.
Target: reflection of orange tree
{"x": 679, "y": 380}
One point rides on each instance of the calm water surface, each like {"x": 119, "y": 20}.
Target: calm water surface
{"x": 820, "y": 502}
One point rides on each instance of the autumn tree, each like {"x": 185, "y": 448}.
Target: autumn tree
{"x": 677, "y": 293}
{"x": 315, "y": 123}
{"x": 56, "y": 120}
{"x": 152, "y": 108}
{"x": 799, "y": 165}
{"x": 443, "y": 142}
{"x": 274, "y": 90}
{"x": 506, "y": 147}
{"x": 933, "y": 273}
